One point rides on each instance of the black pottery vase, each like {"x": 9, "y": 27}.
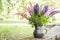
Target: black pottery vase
{"x": 38, "y": 32}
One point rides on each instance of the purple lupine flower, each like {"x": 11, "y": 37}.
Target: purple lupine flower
{"x": 45, "y": 9}
{"x": 36, "y": 9}
{"x": 49, "y": 11}
{"x": 53, "y": 13}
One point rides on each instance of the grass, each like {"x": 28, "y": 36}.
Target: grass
{"x": 13, "y": 21}
{"x": 15, "y": 32}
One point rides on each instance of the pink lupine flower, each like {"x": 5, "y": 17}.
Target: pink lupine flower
{"x": 22, "y": 14}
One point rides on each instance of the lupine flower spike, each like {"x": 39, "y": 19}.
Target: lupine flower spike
{"x": 36, "y": 9}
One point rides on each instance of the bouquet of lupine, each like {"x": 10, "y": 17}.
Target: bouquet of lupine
{"x": 38, "y": 15}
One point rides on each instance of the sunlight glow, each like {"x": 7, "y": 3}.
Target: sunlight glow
{"x": 36, "y": 1}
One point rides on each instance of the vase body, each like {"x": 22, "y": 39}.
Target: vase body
{"x": 38, "y": 32}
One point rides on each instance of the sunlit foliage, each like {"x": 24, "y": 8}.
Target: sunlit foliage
{"x": 9, "y": 7}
